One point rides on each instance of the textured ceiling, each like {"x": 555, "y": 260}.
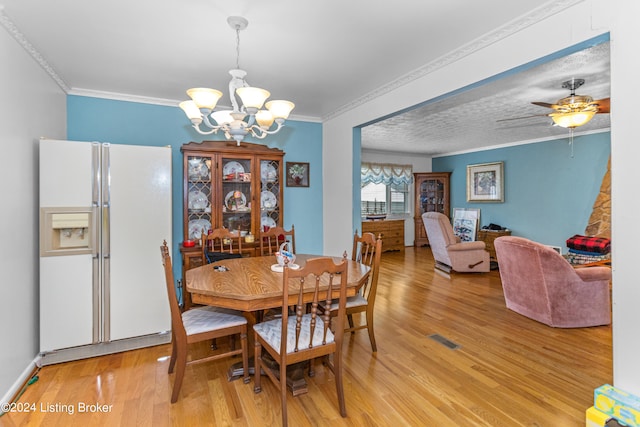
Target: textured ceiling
{"x": 324, "y": 56}
{"x": 468, "y": 119}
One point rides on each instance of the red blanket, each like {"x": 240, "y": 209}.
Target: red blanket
{"x": 599, "y": 245}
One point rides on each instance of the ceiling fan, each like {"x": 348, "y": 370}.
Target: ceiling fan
{"x": 573, "y": 110}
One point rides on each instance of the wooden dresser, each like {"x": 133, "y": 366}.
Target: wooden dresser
{"x": 392, "y": 231}
{"x": 488, "y": 236}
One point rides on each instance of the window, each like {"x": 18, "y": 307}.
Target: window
{"x": 398, "y": 195}
{"x": 384, "y": 188}
{"x": 373, "y": 199}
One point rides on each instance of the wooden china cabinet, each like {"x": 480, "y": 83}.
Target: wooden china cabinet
{"x": 226, "y": 185}
{"x": 432, "y": 195}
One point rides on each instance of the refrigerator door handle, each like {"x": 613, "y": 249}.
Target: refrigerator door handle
{"x": 96, "y": 289}
{"x": 106, "y": 243}
{"x": 96, "y": 227}
{"x": 106, "y": 302}
{"x": 96, "y": 174}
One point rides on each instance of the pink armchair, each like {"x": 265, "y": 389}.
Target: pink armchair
{"x": 540, "y": 284}
{"x": 448, "y": 252}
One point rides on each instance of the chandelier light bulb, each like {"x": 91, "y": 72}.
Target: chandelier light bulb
{"x": 222, "y": 117}
{"x": 205, "y": 98}
{"x": 264, "y": 118}
{"x": 252, "y": 97}
{"x": 192, "y": 111}
{"x": 280, "y": 109}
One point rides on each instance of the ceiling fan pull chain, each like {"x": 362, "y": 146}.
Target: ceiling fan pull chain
{"x": 571, "y": 141}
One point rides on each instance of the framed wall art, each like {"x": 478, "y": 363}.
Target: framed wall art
{"x": 465, "y": 223}
{"x": 297, "y": 174}
{"x": 485, "y": 182}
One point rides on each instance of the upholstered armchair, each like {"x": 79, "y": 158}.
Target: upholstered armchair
{"x": 540, "y": 284}
{"x": 448, "y": 251}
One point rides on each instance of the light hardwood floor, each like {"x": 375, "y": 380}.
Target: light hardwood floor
{"x": 508, "y": 371}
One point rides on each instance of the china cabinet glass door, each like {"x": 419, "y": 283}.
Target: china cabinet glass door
{"x": 236, "y": 196}
{"x": 432, "y": 196}
{"x": 200, "y": 194}
{"x": 270, "y": 197}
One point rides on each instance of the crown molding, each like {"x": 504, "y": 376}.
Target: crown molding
{"x": 11, "y": 28}
{"x": 525, "y": 142}
{"x": 489, "y": 147}
{"x": 123, "y": 97}
{"x": 157, "y": 101}
{"x": 544, "y": 11}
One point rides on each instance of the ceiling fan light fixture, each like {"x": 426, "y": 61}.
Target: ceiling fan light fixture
{"x": 576, "y": 103}
{"x": 573, "y": 119}
{"x": 574, "y": 110}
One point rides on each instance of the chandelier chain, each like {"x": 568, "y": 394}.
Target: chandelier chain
{"x": 237, "y": 48}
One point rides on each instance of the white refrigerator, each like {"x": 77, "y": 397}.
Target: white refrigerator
{"x": 105, "y": 210}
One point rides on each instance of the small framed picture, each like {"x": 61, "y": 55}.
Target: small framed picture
{"x": 485, "y": 182}
{"x": 297, "y": 174}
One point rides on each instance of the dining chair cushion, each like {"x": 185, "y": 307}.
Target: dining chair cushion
{"x": 204, "y": 319}
{"x": 271, "y": 332}
{"x": 354, "y": 301}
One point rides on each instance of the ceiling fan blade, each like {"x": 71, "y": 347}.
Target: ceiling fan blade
{"x": 522, "y": 117}
{"x": 604, "y": 105}
{"x": 545, "y": 104}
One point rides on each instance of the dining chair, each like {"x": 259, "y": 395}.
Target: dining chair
{"x": 366, "y": 250}
{"x": 303, "y": 336}
{"x": 271, "y": 240}
{"x": 221, "y": 244}
{"x": 196, "y": 325}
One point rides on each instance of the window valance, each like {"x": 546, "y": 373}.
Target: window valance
{"x": 385, "y": 173}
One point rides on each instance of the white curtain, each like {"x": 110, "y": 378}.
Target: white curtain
{"x": 385, "y": 173}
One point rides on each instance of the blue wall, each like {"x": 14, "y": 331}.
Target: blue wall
{"x": 121, "y": 122}
{"x": 549, "y": 195}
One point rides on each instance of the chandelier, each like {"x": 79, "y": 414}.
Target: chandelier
{"x": 248, "y": 118}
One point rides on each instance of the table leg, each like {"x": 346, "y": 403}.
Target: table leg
{"x": 296, "y": 381}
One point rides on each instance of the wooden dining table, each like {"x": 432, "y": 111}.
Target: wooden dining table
{"x": 250, "y": 285}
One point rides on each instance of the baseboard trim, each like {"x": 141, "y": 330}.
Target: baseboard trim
{"x": 15, "y": 390}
